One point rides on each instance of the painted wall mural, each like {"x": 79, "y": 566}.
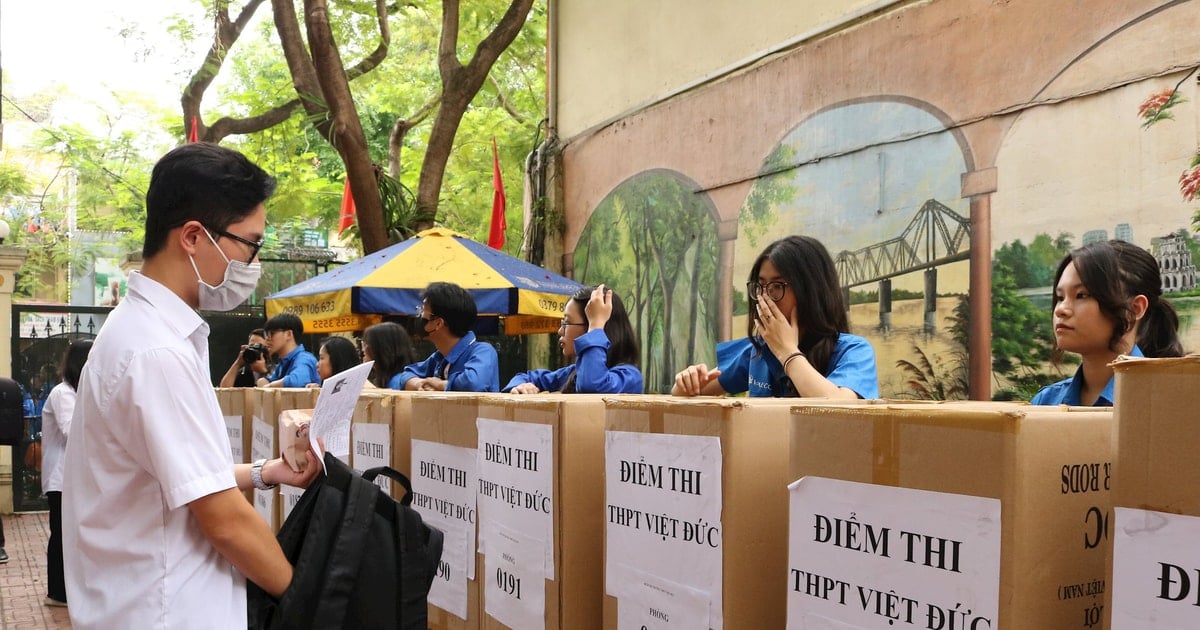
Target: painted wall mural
{"x": 654, "y": 242}
{"x": 897, "y": 181}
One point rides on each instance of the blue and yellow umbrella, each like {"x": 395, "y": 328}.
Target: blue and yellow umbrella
{"x": 525, "y": 297}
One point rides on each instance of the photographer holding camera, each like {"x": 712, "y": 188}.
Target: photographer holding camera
{"x": 297, "y": 367}
{"x": 250, "y": 364}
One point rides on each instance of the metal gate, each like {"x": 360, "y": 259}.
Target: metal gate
{"x": 40, "y": 336}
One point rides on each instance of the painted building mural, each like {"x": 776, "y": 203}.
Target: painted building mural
{"x": 947, "y": 154}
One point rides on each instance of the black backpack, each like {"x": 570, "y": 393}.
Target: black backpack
{"x": 361, "y": 559}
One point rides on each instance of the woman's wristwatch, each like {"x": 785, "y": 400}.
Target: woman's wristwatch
{"x": 256, "y": 476}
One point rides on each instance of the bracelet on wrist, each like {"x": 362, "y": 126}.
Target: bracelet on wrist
{"x": 256, "y": 476}
{"x": 792, "y": 357}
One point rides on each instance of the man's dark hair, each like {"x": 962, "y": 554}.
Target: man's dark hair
{"x": 286, "y": 321}
{"x": 453, "y": 304}
{"x": 203, "y": 182}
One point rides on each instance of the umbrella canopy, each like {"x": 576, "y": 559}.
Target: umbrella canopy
{"x": 391, "y": 281}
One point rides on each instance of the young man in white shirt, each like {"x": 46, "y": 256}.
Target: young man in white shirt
{"x": 153, "y": 512}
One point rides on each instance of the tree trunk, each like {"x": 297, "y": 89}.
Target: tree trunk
{"x": 345, "y": 132}
{"x": 460, "y": 84}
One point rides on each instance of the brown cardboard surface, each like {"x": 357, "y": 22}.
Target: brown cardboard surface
{"x": 754, "y": 478}
{"x": 235, "y": 401}
{"x": 1018, "y": 454}
{"x": 1155, "y": 440}
{"x": 1156, "y": 436}
{"x": 573, "y": 598}
{"x": 449, "y": 418}
{"x": 271, "y": 402}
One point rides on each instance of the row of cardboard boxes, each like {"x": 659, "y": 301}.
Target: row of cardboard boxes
{"x": 578, "y": 511}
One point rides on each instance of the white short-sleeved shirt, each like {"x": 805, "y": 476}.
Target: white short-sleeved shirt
{"x": 56, "y": 422}
{"x": 147, "y": 438}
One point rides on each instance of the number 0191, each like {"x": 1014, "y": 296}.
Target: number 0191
{"x": 508, "y": 583}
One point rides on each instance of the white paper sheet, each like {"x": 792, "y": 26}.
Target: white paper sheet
{"x": 663, "y": 512}
{"x": 335, "y": 409}
{"x": 1156, "y": 572}
{"x": 444, "y": 484}
{"x": 515, "y": 579}
{"x": 372, "y": 449}
{"x": 871, "y": 556}
{"x": 516, "y": 482}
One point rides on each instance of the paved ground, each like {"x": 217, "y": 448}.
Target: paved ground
{"x": 23, "y": 579}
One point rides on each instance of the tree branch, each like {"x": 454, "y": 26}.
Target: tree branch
{"x": 399, "y": 130}
{"x": 225, "y": 34}
{"x": 500, "y": 98}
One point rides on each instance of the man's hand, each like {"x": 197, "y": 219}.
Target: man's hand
{"x": 525, "y": 388}
{"x": 433, "y": 384}
{"x": 277, "y": 471}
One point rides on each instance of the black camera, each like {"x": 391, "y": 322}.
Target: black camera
{"x": 253, "y": 352}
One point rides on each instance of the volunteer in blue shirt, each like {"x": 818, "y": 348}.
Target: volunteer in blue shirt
{"x": 1108, "y": 302}
{"x": 797, "y": 342}
{"x": 461, "y": 363}
{"x": 297, "y": 367}
{"x": 597, "y": 339}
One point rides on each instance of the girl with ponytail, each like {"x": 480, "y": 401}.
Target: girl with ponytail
{"x": 600, "y": 346}
{"x": 1108, "y": 302}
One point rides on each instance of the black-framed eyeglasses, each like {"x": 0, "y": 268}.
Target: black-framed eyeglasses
{"x": 254, "y": 247}
{"x": 774, "y": 290}
{"x": 564, "y": 324}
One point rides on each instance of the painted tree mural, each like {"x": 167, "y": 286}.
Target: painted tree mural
{"x": 653, "y": 239}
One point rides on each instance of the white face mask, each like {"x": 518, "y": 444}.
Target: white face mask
{"x": 240, "y": 281}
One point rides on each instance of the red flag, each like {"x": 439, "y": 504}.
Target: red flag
{"x": 348, "y": 208}
{"x": 496, "y": 234}
{"x": 192, "y": 135}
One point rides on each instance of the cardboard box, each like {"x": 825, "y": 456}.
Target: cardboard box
{"x": 754, "y": 501}
{"x": 236, "y": 407}
{"x": 573, "y": 599}
{"x": 1156, "y": 442}
{"x": 1048, "y": 466}
{"x": 377, "y": 408}
{"x": 448, "y": 418}
{"x": 267, "y": 403}
{"x": 1156, "y": 437}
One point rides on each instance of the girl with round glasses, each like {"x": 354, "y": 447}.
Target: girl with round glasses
{"x": 797, "y": 341}
{"x": 598, "y": 341}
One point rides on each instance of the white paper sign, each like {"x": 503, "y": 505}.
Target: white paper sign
{"x": 372, "y": 449}
{"x": 335, "y": 408}
{"x": 262, "y": 446}
{"x": 652, "y": 603}
{"x": 1156, "y": 570}
{"x": 516, "y": 482}
{"x": 515, "y": 581}
{"x": 233, "y": 428}
{"x": 290, "y": 497}
{"x": 871, "y": 556}
{"x": 663, "y": 513}
{"x": 449, "y": 588}
{"x": 444, "y": 486}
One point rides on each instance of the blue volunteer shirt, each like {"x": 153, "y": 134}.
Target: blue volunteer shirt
{"x": 471, "y": 366}
{"x": 594, "y": 376}
{"x": 297, "y": 369}
{"x": 744, "y": 368}
{"x": 1068, "y": 390}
